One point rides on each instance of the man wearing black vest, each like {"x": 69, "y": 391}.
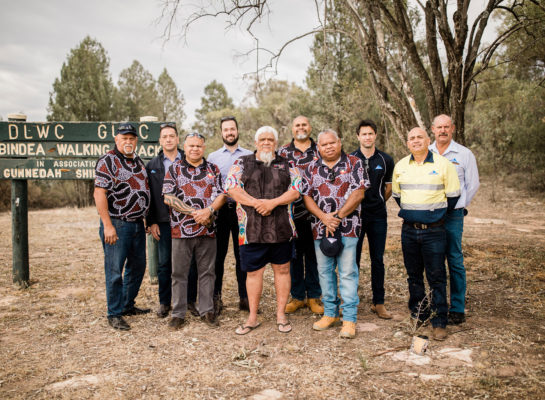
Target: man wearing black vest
{"x": 379, "y": 166}
{"x": 264, "y": 185}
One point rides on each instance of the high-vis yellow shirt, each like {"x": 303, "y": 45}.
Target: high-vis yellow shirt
{"x": 424, "y": 191}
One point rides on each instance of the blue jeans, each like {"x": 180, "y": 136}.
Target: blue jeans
{"x": 304, "y": 267}
{"x": 348, "y": 280}
{"x": 164, "y": 268}
{"x": 128, "y": 252}
{"x": 424, "y": 250}
{"x": 454, "y": 224}
{"x": 376, "y": 236}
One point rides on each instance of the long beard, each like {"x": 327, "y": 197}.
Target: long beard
{"x": 267, "y": 158}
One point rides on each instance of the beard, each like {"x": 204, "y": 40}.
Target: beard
{"x": 267, "y": 157}
{"x": 301, "y": 136}
{"x": 128, "y": 150}
{"x": 230, "y": 142}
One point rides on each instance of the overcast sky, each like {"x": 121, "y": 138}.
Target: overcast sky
{"x": 36, "y": 37}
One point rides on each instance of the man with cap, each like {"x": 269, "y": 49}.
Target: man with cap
{"x": 305, "y": 284}
{"x": 333, "y": 188}
{"x": 468, "y": 174}
{"x": 192, "y": 189}
{"x": 158, "y": 220}
{"x": 425, "y": 185}
{"x": 264, "y": 185}
{"x": 122, "y": 200}
{"x": 226, "y": 222}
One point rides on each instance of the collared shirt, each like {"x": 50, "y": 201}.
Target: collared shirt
{"x": 126, "y": 181}
{"x": 422, "y": 190}
{"x": 167, "y": 162}
{"x": 197, "y": 187}
{"x": 331, "y": 187}
{"x": 302, "y": 160}
{"x": 224, "y": 159}
{"x": 466, "y": 167}
{"x": 380, "y": 167}
{"x": 234, "y": 179}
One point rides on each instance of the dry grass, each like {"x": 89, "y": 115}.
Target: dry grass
{"x": 55, "y": 341}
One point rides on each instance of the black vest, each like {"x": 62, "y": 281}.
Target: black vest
{"x": 264, "y": 182}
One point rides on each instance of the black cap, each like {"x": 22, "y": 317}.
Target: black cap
{"x": 125, "y": 128}
{"x": 332, "y": 246}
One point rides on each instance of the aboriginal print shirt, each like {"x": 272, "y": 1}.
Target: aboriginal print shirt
{"x": 301, "y": 160}
{"x": 197, "y": 187}
{"x": 126, "y": 181}
{"x": 331, "y": 187}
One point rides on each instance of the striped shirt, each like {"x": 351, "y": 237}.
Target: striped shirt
{"x": 424, "y": 191}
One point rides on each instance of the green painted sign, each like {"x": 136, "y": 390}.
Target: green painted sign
{"x": 47, "y": 169}
{"x": 65, "y": 150}
{"x": 144, "y": 150}
{"x": 11, "y": 131}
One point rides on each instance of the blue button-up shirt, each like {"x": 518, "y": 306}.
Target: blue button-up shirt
{"x": 167, "y": 163}
{"x": 224, "y": 159}
{"x": 466, "y": 167}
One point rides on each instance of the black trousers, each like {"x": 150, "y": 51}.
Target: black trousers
{"x": 227, "y": 225}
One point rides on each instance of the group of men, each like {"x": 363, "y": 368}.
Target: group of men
{"x": 305, "y": 208}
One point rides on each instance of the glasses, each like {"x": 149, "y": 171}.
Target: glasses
{"x": 230, "y": 118}
{"x": 195, "y": 134}
{"x": 168, "y": 125}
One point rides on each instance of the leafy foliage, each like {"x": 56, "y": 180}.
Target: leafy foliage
{"x": 84, "y": 90}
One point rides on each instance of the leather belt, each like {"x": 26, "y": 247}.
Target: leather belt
{"x": 418, "y": 225}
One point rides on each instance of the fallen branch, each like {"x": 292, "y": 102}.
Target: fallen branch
{"x": 390, "y": 350}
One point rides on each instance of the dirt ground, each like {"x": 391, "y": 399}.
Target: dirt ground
{"x": 55, "y": 341}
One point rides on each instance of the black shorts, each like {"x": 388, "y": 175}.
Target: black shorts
{"x": 255, "y": 256}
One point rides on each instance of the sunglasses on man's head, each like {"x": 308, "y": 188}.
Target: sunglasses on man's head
{"x": 230, "y": 118}
{"x": 195, "y": 134}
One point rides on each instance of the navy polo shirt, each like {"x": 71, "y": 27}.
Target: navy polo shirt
{"x": 380, "y": 167}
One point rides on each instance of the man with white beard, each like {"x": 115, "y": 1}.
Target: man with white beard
{"x": 264, "y": 185}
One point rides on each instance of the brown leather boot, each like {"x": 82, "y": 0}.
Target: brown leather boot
{"x": 381, "y": 311}
{"x": 439, "y": 333}
{"x": 315, "y": 306}
{"x": 348, "y": 331}
{"x": 294, "y": 305}
{"x": 326, "y": 322}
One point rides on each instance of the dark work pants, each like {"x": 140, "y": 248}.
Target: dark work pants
{"x": 203, "y": 250}
{"x": 305, "y": 281}
{"x": 164, "y": 268}
{"x": 227, "y": 225}
{"x": 376, "y": 236}
{"x": 424, "y": 251}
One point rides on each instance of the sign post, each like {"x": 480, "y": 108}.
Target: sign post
{"x": 19, "y": 223}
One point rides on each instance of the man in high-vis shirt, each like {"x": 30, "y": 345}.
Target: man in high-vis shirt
{"x": 425, "y": 185}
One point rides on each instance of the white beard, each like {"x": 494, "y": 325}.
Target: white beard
{"x": 300, "y": 136}
{"x": 267, "y": 158}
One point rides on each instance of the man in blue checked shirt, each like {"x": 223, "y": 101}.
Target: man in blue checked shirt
{"x": 468, "y": 174}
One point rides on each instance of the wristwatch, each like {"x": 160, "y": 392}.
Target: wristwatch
{"x": 212, "y": 211}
